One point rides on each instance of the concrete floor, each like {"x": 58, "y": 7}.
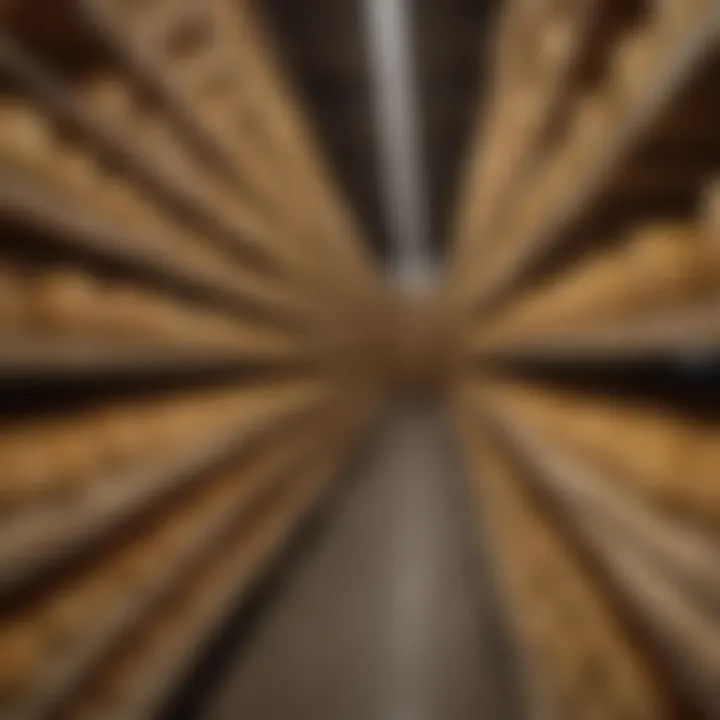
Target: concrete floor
{"x": 385, "y": 618}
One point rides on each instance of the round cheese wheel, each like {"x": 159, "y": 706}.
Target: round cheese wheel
{"x": 65, "y": 302}
{"x": 24, "y": 133}
{"x": 110, "y": 97}
{"x": 67, "y": 612}
{"x": 73, "y": 457}
{"x": 21, "y": 654}
{"x": 27, "y": 469}
{"x": 634, "y": 62}
{"x": 664, "y": 265}
{"x": 13, "y": 301}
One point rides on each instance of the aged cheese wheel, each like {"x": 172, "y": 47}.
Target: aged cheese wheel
{"x": 711, "y": 209}
{"x": 66, "y": 613}
{"x": 653, "y": 451}
{"x": 217, "y": 84}
{"x": 709, "y": 246}
{"x": 102, "y": 588}
{"x": 110, "y": 691}
{"x": 181, "y": 420}
{"x": 78, "y": 167}
{"x": 128, "y": 315}
{"x": 166, "y": 318}
{"x": 73, "y": 455}
{"x": 13, "y": 301}
{"x": 169, "y": 543}
{"x": 140, "y": 562}
{"x": 21, "y": 653}
{"x": 110, "y": 97}
{"x": 596, "y": 290}
{"x": 121, "y": 439}
{"x": 634, "y": 62}
{"x": 85, "y": 706}
{"x": 657, "y": 264}
{"x": 65, "y": 302}
{"x": 672, "y": 15}
{"x": 590, "y": 128}
{"x": 160, "y": 143}
{"x": 696, "y": 482}
{"x": 664, "y": 262}
{"x": 557, "y": 40}
{"x": 588, "y": 429}
{"x": 24, "y": 132}
{"x": 27, "y": 471}
{"x": 162, "y": 434}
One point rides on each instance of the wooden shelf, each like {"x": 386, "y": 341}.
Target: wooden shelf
{"x": 197, "y": 197}
{"x": 526, "y": 148}
{"x": 242, "y": 553}
{"x": 67, "y": 675}
{"x": 149, "y": 71}
{"x": 675, "y": 333}
{"x": 37, "y": 205}
{"x": 276, "y": 167}
{"x": 57, "y": 99}
{"x": 167, "y": 240}
{"x": 662, "y": 568}
{"x": 69, "y": 360}
{"x": 153, "y": 689}
{"x": 580, "y": 195}
{"x": 556, "y": 600}
{"x": 40, "y": 539}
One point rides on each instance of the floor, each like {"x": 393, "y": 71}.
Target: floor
{"x": 389, "y": 616}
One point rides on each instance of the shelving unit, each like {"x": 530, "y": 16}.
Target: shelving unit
{"x": 194, "y": 338}
{"x": 586, "y": 244}
{"x": 568, "y": 188}
{"x": 670, "y": 334}
{"x": 23, "y": 362}
{"x": 201, "y": 309}
{"x": 571, "y": 634}
{"x": 214, "y": 526}
{"x": 171, "y": 141}
{"x": 664, "y": 569}
{"x": 41, "y": 537}
{"x": 29, "y": 203}
{"x": 204, "y": 605}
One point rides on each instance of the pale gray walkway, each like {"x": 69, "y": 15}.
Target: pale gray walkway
{"x": 382, "y": 620}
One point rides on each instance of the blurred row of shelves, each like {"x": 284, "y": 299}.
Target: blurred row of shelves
{"x": 626, "y": 139}
{"x": 619, "y": 487}
{"x": 188, "y": 352}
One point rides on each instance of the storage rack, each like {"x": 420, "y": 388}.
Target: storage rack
{"x": 178, "y": 269}
{"x": 587, "y": 236}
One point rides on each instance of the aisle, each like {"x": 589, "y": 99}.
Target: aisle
{"x": 381, "y": 620}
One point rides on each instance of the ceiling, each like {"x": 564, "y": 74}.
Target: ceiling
{"x": 323, "y": 46}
